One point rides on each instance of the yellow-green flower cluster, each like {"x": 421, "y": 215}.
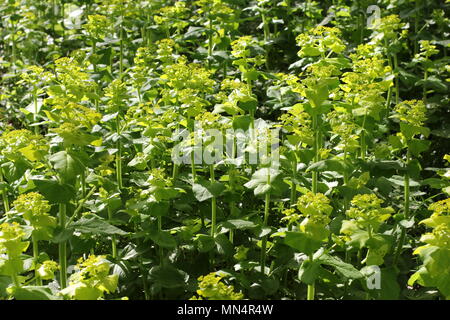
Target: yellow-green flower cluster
{"x": 97, "y": 26}
{"x": 319, "y": 41}
{"x": 32, "y": 204}
{"x": 211, "y": 288}
{"x": 47, "y": 269}
{"x": 316, "y": 207}
{"x": 388, "y": 27}
{"x": 188, "y": 76}
{"x": 172, "y": 14}
{"x": 366, "y": 210}
{"x": 411, "y": 111}
{"x": 440, "y": 222}
{"x": 17, "y": 143}
{"x": 91, "y": 279}
{"x": 298, "y": 122}
{"x": 11, "y": 240}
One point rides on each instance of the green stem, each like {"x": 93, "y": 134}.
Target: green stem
{"x": 121, "y": 47}
{"x": 311, "y": 291}
{"x": 266, "y": 219}
{"x": 264, "y": 239}
{"x": 213, "y": 204}
{"x": 406, "y": 192}
{"x": 35, "y": 102}
{"x": 161, "y": 250}
{"x": 425, "y": 78}
{"x": 315, "y": 174}
{"x": 266, "y": 37}
{"x": 4, "y": 194}
{"x": 293, "y": 198}
{"x": 113, "y": 238}
{"x": 80, "y": 206}
{"x": 346, "y": 180}
{"x": 119, "y": 156}
{"x": 175, "y": 171}
{"x": 36, "y": 258}
{"x": 94, "y": 54}
{"x": 416, "y": 25}
{"x": 210, "y": 41}
{"x": 62, "y": 248}
{"x": 397, "y": 86}
{"x": 311, "y": 287}
{"x": 15, "y": 280}
{"x": 363, "y": 138}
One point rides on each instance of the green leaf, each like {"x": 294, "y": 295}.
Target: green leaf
{"x": 345, "y": 269}
{"x": 301, "y": 242}
{"x": 223, "y": 245}
{"x": 163, "y": 239}
{"x": 206, "y": 190}
{"x": 55, "y": 192}
{"x": 168, "y": 276}
{"x": 400, "y": 181}
{"x": 93, "y": 224}
{"x": 309, "y": 271}
{"x": 328, "y": 165}
{"x": 416, "y": 147}
{"x": 68, "y": 166}
{"x": 409, "y": 130}
{"x": 433, "y": 82}
{"x": 434, "y": 183}
{"x": 34, "y": 293}
{"x": 239, "y": 224}
{"x": 248, "y": 103}
{"x": 205, "y": 243}
{"x": 262, "y": 180}
{"x": 242, "y": 122}
{"x": 317, "y": 96}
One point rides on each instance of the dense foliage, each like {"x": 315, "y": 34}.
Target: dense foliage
{"x": 349, "y": 199}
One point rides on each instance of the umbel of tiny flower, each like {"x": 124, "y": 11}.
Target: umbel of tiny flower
{"x": 23, "y": 143}
{"x": 212, "y": 288}
{"x": 366, "y": 210}
{"x": 47, "y": 269}
{"x": 11, "y": 240}
{"x": 411, "y": 111}
{"x": 91, "y": 279}
{"x": 31, "y": 204}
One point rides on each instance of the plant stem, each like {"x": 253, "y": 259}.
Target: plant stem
{"x": 210, "y": 40}
{"x": 266, "y": 219}
{"x": 416, "y": 24}
{"x": 406, "y": 192}
{"x": 94, "y": 54}
{"x": 161, "y": 251}
{"x": 80, "y": 206}
{"x": 121, "y": 45}
{"x": 425, "y": 78}
{"x": 266, "y": 36}
{"x": 4, "y": 193}
{"x": 293, "y": 198}
{"x": 311, "y": 287}
{"x": 62, "y": 248}
{"x": 119, "y": 156}
{"x": 35, "y": 258}
{"x": 311, "y": 291}
{"x": 35, "y": 102}
{"x": 15, "y": 280}
{"x": 113, "y": 238}
{"x": 213, "y": 204}
{"x": 315, "y": 174}
{"x": 363, "y": 138}
{"x": 397, "y": 86}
